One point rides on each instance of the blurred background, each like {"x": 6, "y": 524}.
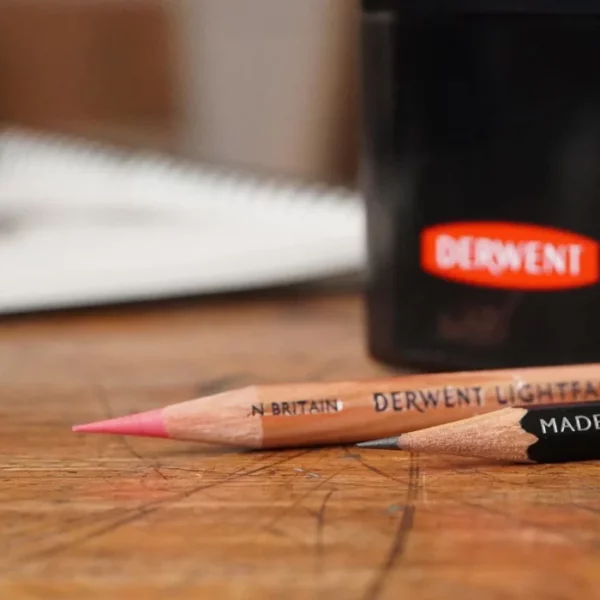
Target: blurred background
{"x": 263, "y": 88}
{"x": 263, "y": 84}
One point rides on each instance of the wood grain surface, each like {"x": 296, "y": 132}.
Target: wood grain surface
{"x": 86, "y": 517}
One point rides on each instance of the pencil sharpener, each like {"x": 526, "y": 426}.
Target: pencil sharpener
{"x": 481, "y": 176}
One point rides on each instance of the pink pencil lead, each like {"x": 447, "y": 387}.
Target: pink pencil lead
{"x": 147, "y": 424}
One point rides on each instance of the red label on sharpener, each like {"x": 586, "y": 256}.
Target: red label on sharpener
{"x": 509, "y": 255}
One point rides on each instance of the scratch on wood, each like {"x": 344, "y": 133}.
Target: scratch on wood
{"x": 236, "y": 475}
{"x": 285, "y": 510}
{"x": 67, "y": 525}
{"x": 56, "y": 549}
{"x": 153, "y": 506}
{"x": 401, "y": 535}
{"x": 319, "y": 553}
{"x": 194, "y": 470}
{"x": 359, "y": 459}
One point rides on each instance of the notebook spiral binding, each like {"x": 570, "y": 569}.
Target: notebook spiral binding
{"x": 51, "y": 168}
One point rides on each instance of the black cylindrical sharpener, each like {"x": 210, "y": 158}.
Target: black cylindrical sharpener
{"x": 481, "y": 173}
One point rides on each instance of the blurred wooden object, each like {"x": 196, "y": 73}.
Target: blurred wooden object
{"x": 112, "y": 518}
{"x": 264, "y": 85}
{"x": 103, "y": 70}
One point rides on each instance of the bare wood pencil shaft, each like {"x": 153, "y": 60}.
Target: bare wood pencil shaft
{"x": 496, "y": 436}
{"x": 317, "y": 413}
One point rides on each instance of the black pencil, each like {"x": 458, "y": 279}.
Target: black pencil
{"x": 540, "y": 434}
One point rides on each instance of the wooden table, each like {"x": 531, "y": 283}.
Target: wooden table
{"x": 85, "y": 517}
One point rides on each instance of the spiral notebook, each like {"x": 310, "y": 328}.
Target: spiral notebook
{"x": 84, "y": 223}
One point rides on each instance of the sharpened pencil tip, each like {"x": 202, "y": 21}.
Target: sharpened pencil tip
{"x": 382, "y": 444}
{"x": 148, "y": 424}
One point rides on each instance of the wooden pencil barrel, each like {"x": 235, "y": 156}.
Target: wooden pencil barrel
{"x": 308, "y": 414}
